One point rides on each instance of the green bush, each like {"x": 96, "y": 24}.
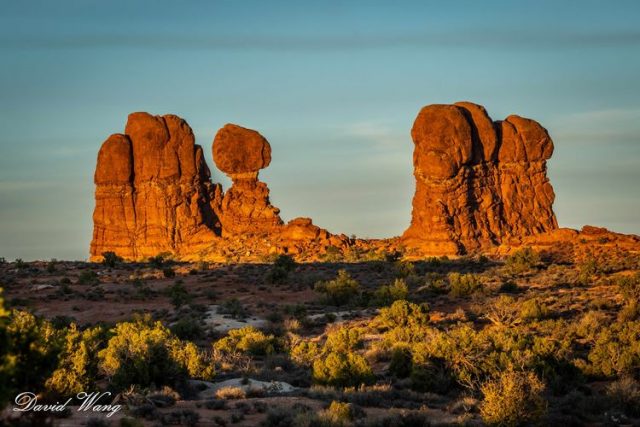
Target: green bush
{"x": 514, "y": 398}
{"x": 342, "y": 370}
{"x": 110, "y": 259}
{"x": 522, "y": 260}
{"x": 338, "y": 413}
{"x": 145, "y": 353}
{"x": 77, "y": 368}
{"x": 188, "y": 328}
{"x": 387, "y": 294}
{"x": 88, "y": 277}
{"x": 31, "y": 352}
{"x": 616, "y": 350}
{"x": 462, "y": 285}
{"x": 282, "y": 266}
{"x": 248, "y": 340}
{"x": 401, "y": 363}
{"x": 629, "y": 287}
{"x": 533, "y": 309}
{"x": 402, "y": 314}
{"x": 339, "y": 291}
{"x": 178, "y": 294}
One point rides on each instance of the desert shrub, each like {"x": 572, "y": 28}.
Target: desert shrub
{"x": 616, "y": 350}
{"x": 587, "y": 269}
{"x": 625, "y": 395}
{"x": 629, "y": 286}
{"x": 282, "y": 266}
{"x": 178, "y": 294}
{"x": 462, "y": 285}
{"x": 304, "y": 352}
{"x": 31, "y": 351}
{"x": 533, "y": 309}
{"x": 88, "y": 277}
{"x": 404, "y": 269}
{"x": 629, "y": 312}
{"x": 342, "y": 370}
{"x": 387, "y": 294}
{"x": 522, "y": 260}
{"x": 514, "y": 398}
{"x": 188, "y": 328}
{"x": 333, "y": 254}
{"x": 590, "y": 325}
{"x": 182, "y": 417}
{"x": 234, "y": 308}
{"x": 51, "y": 265}
{"x": 509, "y": 287}
{"x": 339, "y": 291}
{"x": 402, "y": 314}
{"x": 159, "y": 260}
{"x": 343, "y": 340}
{"x": 231, "y": 393}
{"x": 110, "y": 259}
{"x": 5, "y": 356}
{"x": 145, "y": 353}
{"x": 402, "y": 322}
{"x": 168, "y": 272}
{"x": 77, "y": 367}
{"x": 431, "y": 375}
{"x": 338, "y": 413}
{"x": 401, "y": 362}
{"x": 472, "y": 356}
{"x": 503, "y": 311}
{"x": 248, "y": 340}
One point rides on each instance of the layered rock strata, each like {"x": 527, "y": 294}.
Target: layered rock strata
{"x": 153, "y": 191}
{"x": 478, "y": 182}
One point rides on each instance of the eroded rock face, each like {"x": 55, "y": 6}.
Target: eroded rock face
{"x": 153, "y": 191}
{"x": 478, "y": 183}
{"x": 245, "y": 208}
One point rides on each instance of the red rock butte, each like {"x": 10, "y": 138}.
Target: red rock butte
{"x": 481, "y": 186}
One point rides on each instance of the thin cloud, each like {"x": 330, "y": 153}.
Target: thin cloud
{"x": 617, "y": 124}
{"x": 455, "y": 39}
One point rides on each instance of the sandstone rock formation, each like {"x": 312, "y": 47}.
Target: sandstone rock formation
{"x": 478, "y": 182}
{"x": 245, "y": 208}
{"x": 153, "y": 191}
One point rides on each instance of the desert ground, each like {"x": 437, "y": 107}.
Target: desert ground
{"x": 547, "y": 337}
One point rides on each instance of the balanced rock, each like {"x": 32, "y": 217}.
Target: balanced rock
{"x": 245, "y": 208}
{"x": 478, "y": 182}
{"x": 240, "y": 152}
{"x": 153, "y": 191}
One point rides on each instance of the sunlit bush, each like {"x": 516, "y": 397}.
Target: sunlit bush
{"x": 143, "y": 352}
{"x": 247, "y": 340}
{"x": 77, "y": 368}
{"x": 522, "y": 260}
{"x": 342, "y": 370}
{"x": 462, "y": 285}
{"x": 514, "y": 398}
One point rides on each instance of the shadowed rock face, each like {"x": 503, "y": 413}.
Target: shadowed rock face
{"x": 153, "y": 191}
{"x": 478, "y": 183}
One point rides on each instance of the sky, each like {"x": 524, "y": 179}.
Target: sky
{"x": 333, "y": 85}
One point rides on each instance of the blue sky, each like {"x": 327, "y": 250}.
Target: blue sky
{"x": 334, "y": 86}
